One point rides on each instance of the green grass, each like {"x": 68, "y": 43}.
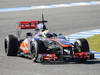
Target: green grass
{"x": 94, "y": 42}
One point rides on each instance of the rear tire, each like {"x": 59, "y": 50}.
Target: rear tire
{"x": 11, "y": 45}
{"x": 39, "y": 49}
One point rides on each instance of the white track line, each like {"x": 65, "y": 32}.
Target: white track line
{"x": 84, "y": 34}
{"x": 51, "y": 6}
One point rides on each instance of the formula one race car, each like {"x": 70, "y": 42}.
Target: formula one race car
{"x": 51, "y": 47}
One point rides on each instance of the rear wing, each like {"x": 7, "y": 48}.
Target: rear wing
{"x": 28, "y": 24}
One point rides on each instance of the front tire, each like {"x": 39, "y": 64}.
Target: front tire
{"x": 81, "y": 45}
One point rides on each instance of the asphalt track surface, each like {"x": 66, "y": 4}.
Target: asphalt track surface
{"x": 61, "y": 20}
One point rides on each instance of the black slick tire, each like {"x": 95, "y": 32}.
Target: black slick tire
{"x": 11, "y": 45}
{"x": 81, "y": 45}
{"x": 40, "y": 49}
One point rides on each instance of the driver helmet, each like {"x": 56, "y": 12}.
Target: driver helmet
{"x": 49, "y": 35}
